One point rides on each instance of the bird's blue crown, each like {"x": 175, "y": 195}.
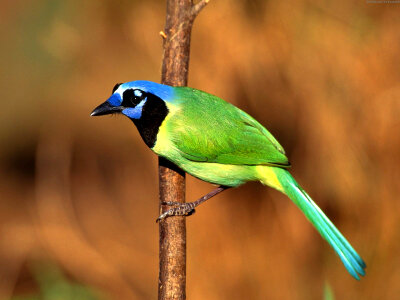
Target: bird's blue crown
{"x": 162, "y": 91}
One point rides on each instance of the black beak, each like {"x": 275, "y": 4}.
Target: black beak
{"x": 105, "y": 109}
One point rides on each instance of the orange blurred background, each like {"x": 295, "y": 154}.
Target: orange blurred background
{"x": 79, "y": 195}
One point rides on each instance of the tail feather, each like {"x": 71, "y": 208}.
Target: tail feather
{"x": 351, "y": 260}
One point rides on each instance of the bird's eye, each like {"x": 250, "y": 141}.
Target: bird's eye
{"x": 131, "y": 98}
{"x": 116, "y": 87}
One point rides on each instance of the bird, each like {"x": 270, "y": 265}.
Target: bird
{"x": 217, "y": 142}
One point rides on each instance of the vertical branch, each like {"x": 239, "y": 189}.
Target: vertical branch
{"x": 172, "y": 272}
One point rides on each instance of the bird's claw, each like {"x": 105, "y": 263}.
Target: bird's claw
{"x": 180, "y": 209}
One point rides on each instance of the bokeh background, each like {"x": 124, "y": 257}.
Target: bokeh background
{"x": 78, "y": 195}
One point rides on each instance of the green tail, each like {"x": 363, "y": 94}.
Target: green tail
{"x": 351, "y": 260}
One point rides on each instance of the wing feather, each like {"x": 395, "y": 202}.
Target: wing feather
{"x": 209, "y": 129}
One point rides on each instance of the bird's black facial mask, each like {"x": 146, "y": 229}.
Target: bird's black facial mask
{"x": 130, "y": 104}
{"x": 133, "y": 101}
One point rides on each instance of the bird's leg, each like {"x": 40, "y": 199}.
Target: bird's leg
{"x": 186, "y": 209}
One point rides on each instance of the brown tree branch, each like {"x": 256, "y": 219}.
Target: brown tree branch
{"x": 176, "y": 37}
{"x": 196, "y": 8}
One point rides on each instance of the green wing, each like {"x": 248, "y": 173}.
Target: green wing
{"x": 208, "y": 129}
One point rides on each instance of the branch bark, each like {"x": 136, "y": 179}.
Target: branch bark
{"x": 172, "y": 252}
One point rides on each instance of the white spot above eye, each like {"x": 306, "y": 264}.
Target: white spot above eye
{"x": 138, "y": 93}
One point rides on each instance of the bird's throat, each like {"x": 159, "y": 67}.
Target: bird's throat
{"x": 153, "y": 114}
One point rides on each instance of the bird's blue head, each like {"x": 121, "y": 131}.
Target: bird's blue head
{"x": 144, "y": 102}
{"x": 133, "y": 98}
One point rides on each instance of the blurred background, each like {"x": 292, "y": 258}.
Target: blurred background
{"x": 79, "y": 195}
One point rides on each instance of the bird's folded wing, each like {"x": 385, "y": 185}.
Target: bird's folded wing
{"x": 237, "y": 140}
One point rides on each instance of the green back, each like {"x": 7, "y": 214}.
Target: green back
{"x": 208, "y": 129}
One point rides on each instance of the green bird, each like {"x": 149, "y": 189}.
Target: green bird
{"x": 217, "y": 142}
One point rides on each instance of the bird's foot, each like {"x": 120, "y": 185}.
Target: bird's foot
{"x": 178, "y": 209}
{"x": 187, "y": 209}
